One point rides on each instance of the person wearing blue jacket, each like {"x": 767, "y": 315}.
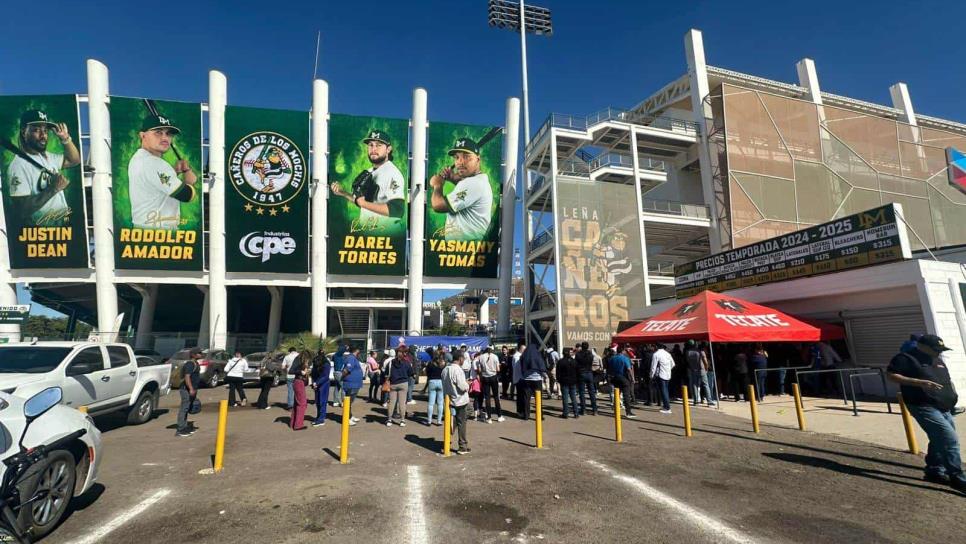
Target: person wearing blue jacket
{"x": 321, "y": 368}
{"x": 352, "y": 375}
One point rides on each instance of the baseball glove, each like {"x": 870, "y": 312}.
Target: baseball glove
{"x": 365, "y": 186}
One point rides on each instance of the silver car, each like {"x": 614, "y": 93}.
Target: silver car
{"x": 272, "y": 363}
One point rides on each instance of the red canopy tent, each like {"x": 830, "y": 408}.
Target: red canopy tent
{"x": 717, "y": 317}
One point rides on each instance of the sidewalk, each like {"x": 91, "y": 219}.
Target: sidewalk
{"x": 874, "y": 424}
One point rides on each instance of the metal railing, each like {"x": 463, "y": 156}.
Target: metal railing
{"x": 699, "y": 211}
{"x": 541, "y": 239}
{"x": 852, "y": 373}
{"x": 610, "y": 114}
{"x": 605, "y": 160}
{"x": 660, "y": 268}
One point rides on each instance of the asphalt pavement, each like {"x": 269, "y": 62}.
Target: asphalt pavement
{"x": 724, "y": 484}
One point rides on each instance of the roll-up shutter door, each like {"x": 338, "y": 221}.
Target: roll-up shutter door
{"x": 876, "y": 339}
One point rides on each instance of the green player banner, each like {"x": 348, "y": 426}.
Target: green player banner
{"x": 266, "y": 193}
{"x": 463, "y": 201}
{"x": 42, "y": 181}
{"x": 157, "y": 184}
{"x": 368, "y": 215}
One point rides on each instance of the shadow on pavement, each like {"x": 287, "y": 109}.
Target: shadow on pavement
{"x": 603, "y": 437}
{"x": 659, "y": 430}
{"x": 818, "y": 462}
{"x": 332, "y": 453}
{"x": 703, "y": 429}
{"x": 430, "y": 444}
{"x": 115, "y": 420}
{"x": 516, "y": 442}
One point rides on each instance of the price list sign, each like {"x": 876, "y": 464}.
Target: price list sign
{"x": 866, "y": 238}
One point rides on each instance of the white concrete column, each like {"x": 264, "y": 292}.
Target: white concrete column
{"x": 8, "y": 288}
{"x": 216, "y": 299}
{"x": 808, "y": 78}
{"x": 902, "y": 102}
{"x": 639, "y": 195}
{"x": 274, "y": 317}
{"x": 511, "y": 146}
{"x": 149, "y": 299}
{"x": 204, "y": 330}
{"x": 102, "y": 202}
{"x": 320, "y": 201}
{"x": 698, "y": 76}
{"x": 417, "y": 212}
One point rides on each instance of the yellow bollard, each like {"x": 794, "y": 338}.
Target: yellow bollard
{"x": 539, "y": 419}
{"x": 754, "y": 408}
{"x": 346, "y": 414}
{"x": 82, "y": 409}
{"x": 618, "y": 431}
{"x": 798, "y": 406}
{"x": 220, "y": 437}
{"x": 687, "y": 410}
{"x": 907, "y": 423}
{"x": 447, "y": 432}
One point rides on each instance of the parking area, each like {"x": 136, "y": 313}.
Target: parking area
{"x": 725, "y": 484}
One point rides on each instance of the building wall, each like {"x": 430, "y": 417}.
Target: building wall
{"x": 791, "y": 164}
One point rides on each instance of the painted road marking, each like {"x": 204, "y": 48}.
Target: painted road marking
{"x": 127, "y": 516}
{"x": 719, "y": 530}
{"x": 417, "y": 518}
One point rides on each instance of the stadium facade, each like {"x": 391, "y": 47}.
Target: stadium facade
{"x": 717, "y": 160}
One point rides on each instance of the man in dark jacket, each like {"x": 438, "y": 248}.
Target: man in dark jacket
{"x": 619, "y": 371}
{"x": 928, "y": 392}
{"x": 586, "y": 383}
{"x": 568, "y": 378}
{"x": 534, "y": 370}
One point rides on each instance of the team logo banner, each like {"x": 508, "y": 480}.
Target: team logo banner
{"x": 157, "y": 184}
{"x": 463, "y": 201}
{"x": 368, "y": 216}
{"x": 42, "y": 181}
{"x": 601, "y": 263}
{"x": 266, "y": 198}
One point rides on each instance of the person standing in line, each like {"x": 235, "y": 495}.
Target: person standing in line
{"x": 456, "y": 387}
{"x": 930, "y": 396}
{"x": 587, "y": 384}
{"x": 434, "y": 377}
{"x": 321, "y": 372}
{"x": 568, "y": 379}
{"x": 647, "y": 390}
{"x": 400, "y": 371}
{"x": 287, "y": 364}
{"x": 759, "y": 361}
{"x": 619, "y": 371}
{"x": 266, "y": 376}
{"x": 390, "y": 356}
{"x": 299, "y": 370}
{"x": 338, "y": 361}
{"x": 739, "y": 374}
{"x": 697, "y": 375}
{"x": 709, "y": 378}
{"x": 534, "y": 369}
{"x": 190, "y": 382}
{"x": 505, "y": 373}
{"x": 375, "y": 376}
{"x": 488, "y": 369}
{"x": 661, "y": 365}
{"x": 352, "y": 374}
{"x": 403, "y": 353}
{"x": 235, "y": 371}
{"x": 517, "y": 376}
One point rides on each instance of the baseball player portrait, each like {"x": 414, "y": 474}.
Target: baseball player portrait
{"x": 36, "y": 184}
{"x": 156, "y": 188}
{"x": 469, "y": 205}
{"x": 379, "y": 190}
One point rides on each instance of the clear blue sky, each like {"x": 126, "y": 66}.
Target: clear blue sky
{"x": 604, "y": 53}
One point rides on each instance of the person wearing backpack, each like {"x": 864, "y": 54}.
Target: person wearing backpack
{"x": 930, "y": 396}
{"x": 352, "y": 374}
{"x": 587, "y": 384}
{"x": 697, "y": 373}
{"x": 235, "y": 371}
{"x": 190, "y": 382}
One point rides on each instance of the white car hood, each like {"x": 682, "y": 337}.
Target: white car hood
{"x": 9, "y": 381}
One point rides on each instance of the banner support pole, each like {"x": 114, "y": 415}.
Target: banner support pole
{"x": 417, "y": 213}
{"x": 217, "y": 292}
{"x": 511, "y": 144}
{"x": 319, "y": 203}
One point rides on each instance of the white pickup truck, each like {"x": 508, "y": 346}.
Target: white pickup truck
{"x": 103, "y": 377}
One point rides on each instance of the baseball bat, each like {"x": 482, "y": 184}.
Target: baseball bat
{"x": 489, "y": 136}
{"x": 12, "y": 147}
{"x": 149, "y": 104}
